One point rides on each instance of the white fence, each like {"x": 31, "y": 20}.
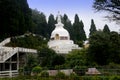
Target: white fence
{"x": 12, "y": 73}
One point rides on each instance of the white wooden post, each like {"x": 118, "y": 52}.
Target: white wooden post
{"x": 18, "y": 61}
{"x": 10, "y": 66}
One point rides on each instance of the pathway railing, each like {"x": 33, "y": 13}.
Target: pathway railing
{"x": 7, "y": 52}
{"x": 7, "y": 40}
{"x": 12, "y": 73}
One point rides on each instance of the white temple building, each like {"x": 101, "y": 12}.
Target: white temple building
{"x": 60, "y": 39}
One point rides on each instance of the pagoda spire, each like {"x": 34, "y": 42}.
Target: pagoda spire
{"x": 59, "y": 18}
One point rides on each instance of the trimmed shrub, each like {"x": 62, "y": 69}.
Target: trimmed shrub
{"x": 44, "y": 74}
{"x": 60, "y": 75}
{"x": 74, "y": 76}
{"x": 97, "y": 78}
{"x": 115, "y": 78}
{"x": 36, "y": 70}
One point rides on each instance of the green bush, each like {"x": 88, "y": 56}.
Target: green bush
{"x": 44, "y": 74}
{"x": 97, "y": 78}
{"x": 60, "y": 75}
{"x": 74, "y": 76}
{"x": 115, "y": 78}
{"x": 36, "y": 69}
{"x": 21, "y": 70}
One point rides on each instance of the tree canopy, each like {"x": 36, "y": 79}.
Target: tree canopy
{"x": 40, "y": 23}
{"x": 111, "y": 6}
{"x": 92, "y": 28}
{"x": 106, "y": 29}
{"x": 15, "y": 18}
{"x": 76, "y": 58}
{"x": 51, "y": 25}
{"x": 78, "y": 30}
{"x": 104, "y": 48}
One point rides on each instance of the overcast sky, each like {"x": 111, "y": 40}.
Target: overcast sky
{"x": 71, "y": 7}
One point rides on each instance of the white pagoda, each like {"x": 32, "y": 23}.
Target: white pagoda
{"x": 60, "y": 39}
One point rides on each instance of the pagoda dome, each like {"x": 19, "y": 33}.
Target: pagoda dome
{"x": 59, "y": 33}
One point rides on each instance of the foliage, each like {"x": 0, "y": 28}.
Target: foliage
{"x": 36, "y": 69}
{"x": 80, "y": 70}
{"x": 68, "y": 25}
{"x": 104, "y": 48}
{"x": 21, "y": 70}
{"x": 78, "y": 30}
{"x": 51, "y": 24}
{"x": 106, "y": 29}
{"x": 99, "y": 47}
{"x": 114, "y": 55}
{"x": 40, "y": 23}
{"x": 80, "y": 43}
{"x": 60, "y": 75}
{"x": 76, "y": 58}
{"x": 74, "y": 76}
{"x": 44, "y": 74}
{"x": 48, "y": 58}
{"x": 58, "y": 60}
{"x": 27, "y": 41}
{"x": 92, "y": 27}
{"x": 71, "y": 77}
{"x": 45, "y": 56}
{"x": 31, "y": 62}
{"x": 110, "y": 6}
{"x": 15, "y": 18}
{"x": 115, "y": 78}
{"x": 82, "y": 31}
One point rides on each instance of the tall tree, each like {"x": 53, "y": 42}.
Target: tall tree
{"x": 82, "y": 31}
{"x": 76, "y": 58}
{"x": 111, "y": 6}
{"x": 68, "y": 25}
{"x": 15, "y": 17}
{"x": 45, "y": 56}
{"x": 39, "y": 20}
{"x": 104, "y": 48}
{"x": 106, "y": 29}
{"x": 51, "y": 24}
{"x": 98, "y": 50}
{"x": 114, "y": 55}
{"x": 92, "y": 27}
{"x": 76, "y": 28}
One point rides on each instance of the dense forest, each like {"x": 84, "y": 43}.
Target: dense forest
{"x": 16, "y": 18}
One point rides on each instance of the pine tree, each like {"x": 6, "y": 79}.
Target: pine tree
{"x": 67, "y": 25}
{"x": 106, "y": 29}
{"x": 51, "y": 24}
{"x": 15, "y": 17}
{"x": 82, "y": 32}
{"x": 76, "y": 28}
{"x": 92, "y": 28}
{"x": 39, "y": 20}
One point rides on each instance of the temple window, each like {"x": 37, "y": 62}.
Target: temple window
{"x": 63, "y": 38}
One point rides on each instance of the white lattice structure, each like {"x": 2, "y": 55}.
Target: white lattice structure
{"x": 10, "y": 58}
